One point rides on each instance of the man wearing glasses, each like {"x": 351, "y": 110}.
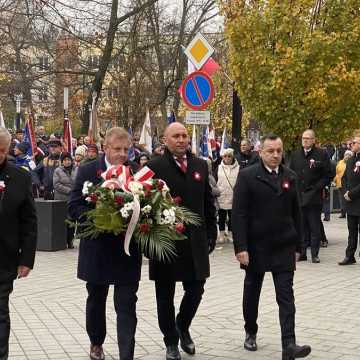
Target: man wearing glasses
{"x": 312, "y": 166}
{"x": 351, "y": 182}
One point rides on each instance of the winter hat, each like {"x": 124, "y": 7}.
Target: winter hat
{"x": 65, "y": 155}
{"x": 23, "y": 147}
{"x": 81, "y": 150}
{"x": 93, "y": 147}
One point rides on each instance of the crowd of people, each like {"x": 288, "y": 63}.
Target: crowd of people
{"x": 268, "y": 204}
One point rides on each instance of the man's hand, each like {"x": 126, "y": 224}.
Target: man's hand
{"x": 297, "y": 256}
{"x": 243, "y": 258}
{"x": 346, "y": 196}
{"x": 23, "y": 271}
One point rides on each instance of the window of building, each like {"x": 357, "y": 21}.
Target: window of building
{"x": 43, "y": 63}
{"x": 93, "y": 61}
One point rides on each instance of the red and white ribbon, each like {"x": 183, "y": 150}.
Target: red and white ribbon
{"x": 119, "y": 177}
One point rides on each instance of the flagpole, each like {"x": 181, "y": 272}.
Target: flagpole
{"x": 66, "y": 102}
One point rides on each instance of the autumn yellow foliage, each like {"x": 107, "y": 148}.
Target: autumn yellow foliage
{"x": 296, "y": 64}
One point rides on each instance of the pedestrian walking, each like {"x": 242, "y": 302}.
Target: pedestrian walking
{"x": 187, "y": 179}
{"x": 18, "y": 224}
{"x": 268, "y": 238}
{"x": 313, "y": 168}
{"x": 227, "y": 174}
{"x": 102, "y": 260}
{"x": 351, "y": 183}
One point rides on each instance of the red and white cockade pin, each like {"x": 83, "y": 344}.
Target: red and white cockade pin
{"x": 2, "y": 186}
{"x": 312, "y": 163}
{"x": 285, "y": 185}
{"x": 197, "y": 176}
{"x": 357, "y": 167}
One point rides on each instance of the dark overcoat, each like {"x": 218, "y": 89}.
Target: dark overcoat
{"x": 192, "y": 261}
{"x": 266, "y": 218}
{"x": 101, "y": 260}
{"x": 18, "y": 222}
{"x": 314, "y": 172}
{"x": 351, "y": 183}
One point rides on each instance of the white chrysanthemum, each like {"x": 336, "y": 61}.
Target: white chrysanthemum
{"x": 129, "y": 206}
{"x": 172, "y": 212}
{"x": 124, "y": 213}
{"x": 166, "y": 213}
{"x": 86, "y": 186}
{"x": 136, "y": 187}
{"x": 146, "y": 209}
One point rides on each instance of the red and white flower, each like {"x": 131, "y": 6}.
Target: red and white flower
{"x": 197, "y": 176}
{"x": 285, "y": 185}
{"x": 357, "y": 167}
{"x": 2, "y": 186}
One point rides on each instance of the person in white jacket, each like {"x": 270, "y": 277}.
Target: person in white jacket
{"x": 227, "y": 174}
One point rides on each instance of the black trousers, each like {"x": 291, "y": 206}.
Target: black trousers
{"x": 125, "y": 306}
{"x": 353, "y": 223}
{"x": 5, "y": 291}
{"x": 165, "y": 291}
{"x": 284, "y": 297}
{"x": 312, "y": 223}
{"x": 223, "y": 214}
{"x": 341, "y": 192}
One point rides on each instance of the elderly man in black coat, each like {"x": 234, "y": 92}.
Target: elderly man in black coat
{"x": 351, "y": 184}
{"x": 187, "y": 178}
{"x": 18, "y": 224}
{"x": 313, "y": 168}
{"x": 267, "y": 238}
{"x": 103, "y": 262}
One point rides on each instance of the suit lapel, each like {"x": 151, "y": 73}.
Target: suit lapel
{"x": 262, "y": 176}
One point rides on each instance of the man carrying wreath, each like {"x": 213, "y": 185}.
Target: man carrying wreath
{"x": 188, "y": 180}
{"x": 102, "y": 260}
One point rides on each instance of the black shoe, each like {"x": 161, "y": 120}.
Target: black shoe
{"x": 250, "y": 342}
{"x": 347, "y": 261}
{"x": 315, "y": 260}
{"x": 70, "y": 245}
{"x": 172, "y": 352}
{"x": 186, "y": 341}
{"x": 324, "y": 244}
{"x": 302, "y": 257}
{"x": 342, "y": 216}
{"x": 326, "y": 219}
{"x": 294, "y": 351}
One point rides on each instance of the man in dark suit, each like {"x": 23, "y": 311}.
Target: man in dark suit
{"x": 267, "y": 237}
{"x": 351, "y": 184}
{"x": 187, "y": 178}
{"x": 313, "y": 168}
{"x": 18, "y": 234}
{"x": 103, "y": 262}
{"x": 245, "y": 157}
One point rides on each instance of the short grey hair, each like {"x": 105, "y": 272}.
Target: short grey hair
{"x": 5, "y": 136}
{"x": 117, "y": 133}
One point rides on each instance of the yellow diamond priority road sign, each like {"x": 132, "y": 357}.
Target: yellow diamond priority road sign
{"x": 199, "y": 51}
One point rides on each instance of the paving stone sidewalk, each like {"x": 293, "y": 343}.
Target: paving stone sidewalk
{"x": 48, "y": 319}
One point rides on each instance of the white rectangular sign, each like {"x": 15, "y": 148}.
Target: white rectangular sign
{"x": 197, "y": 117}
